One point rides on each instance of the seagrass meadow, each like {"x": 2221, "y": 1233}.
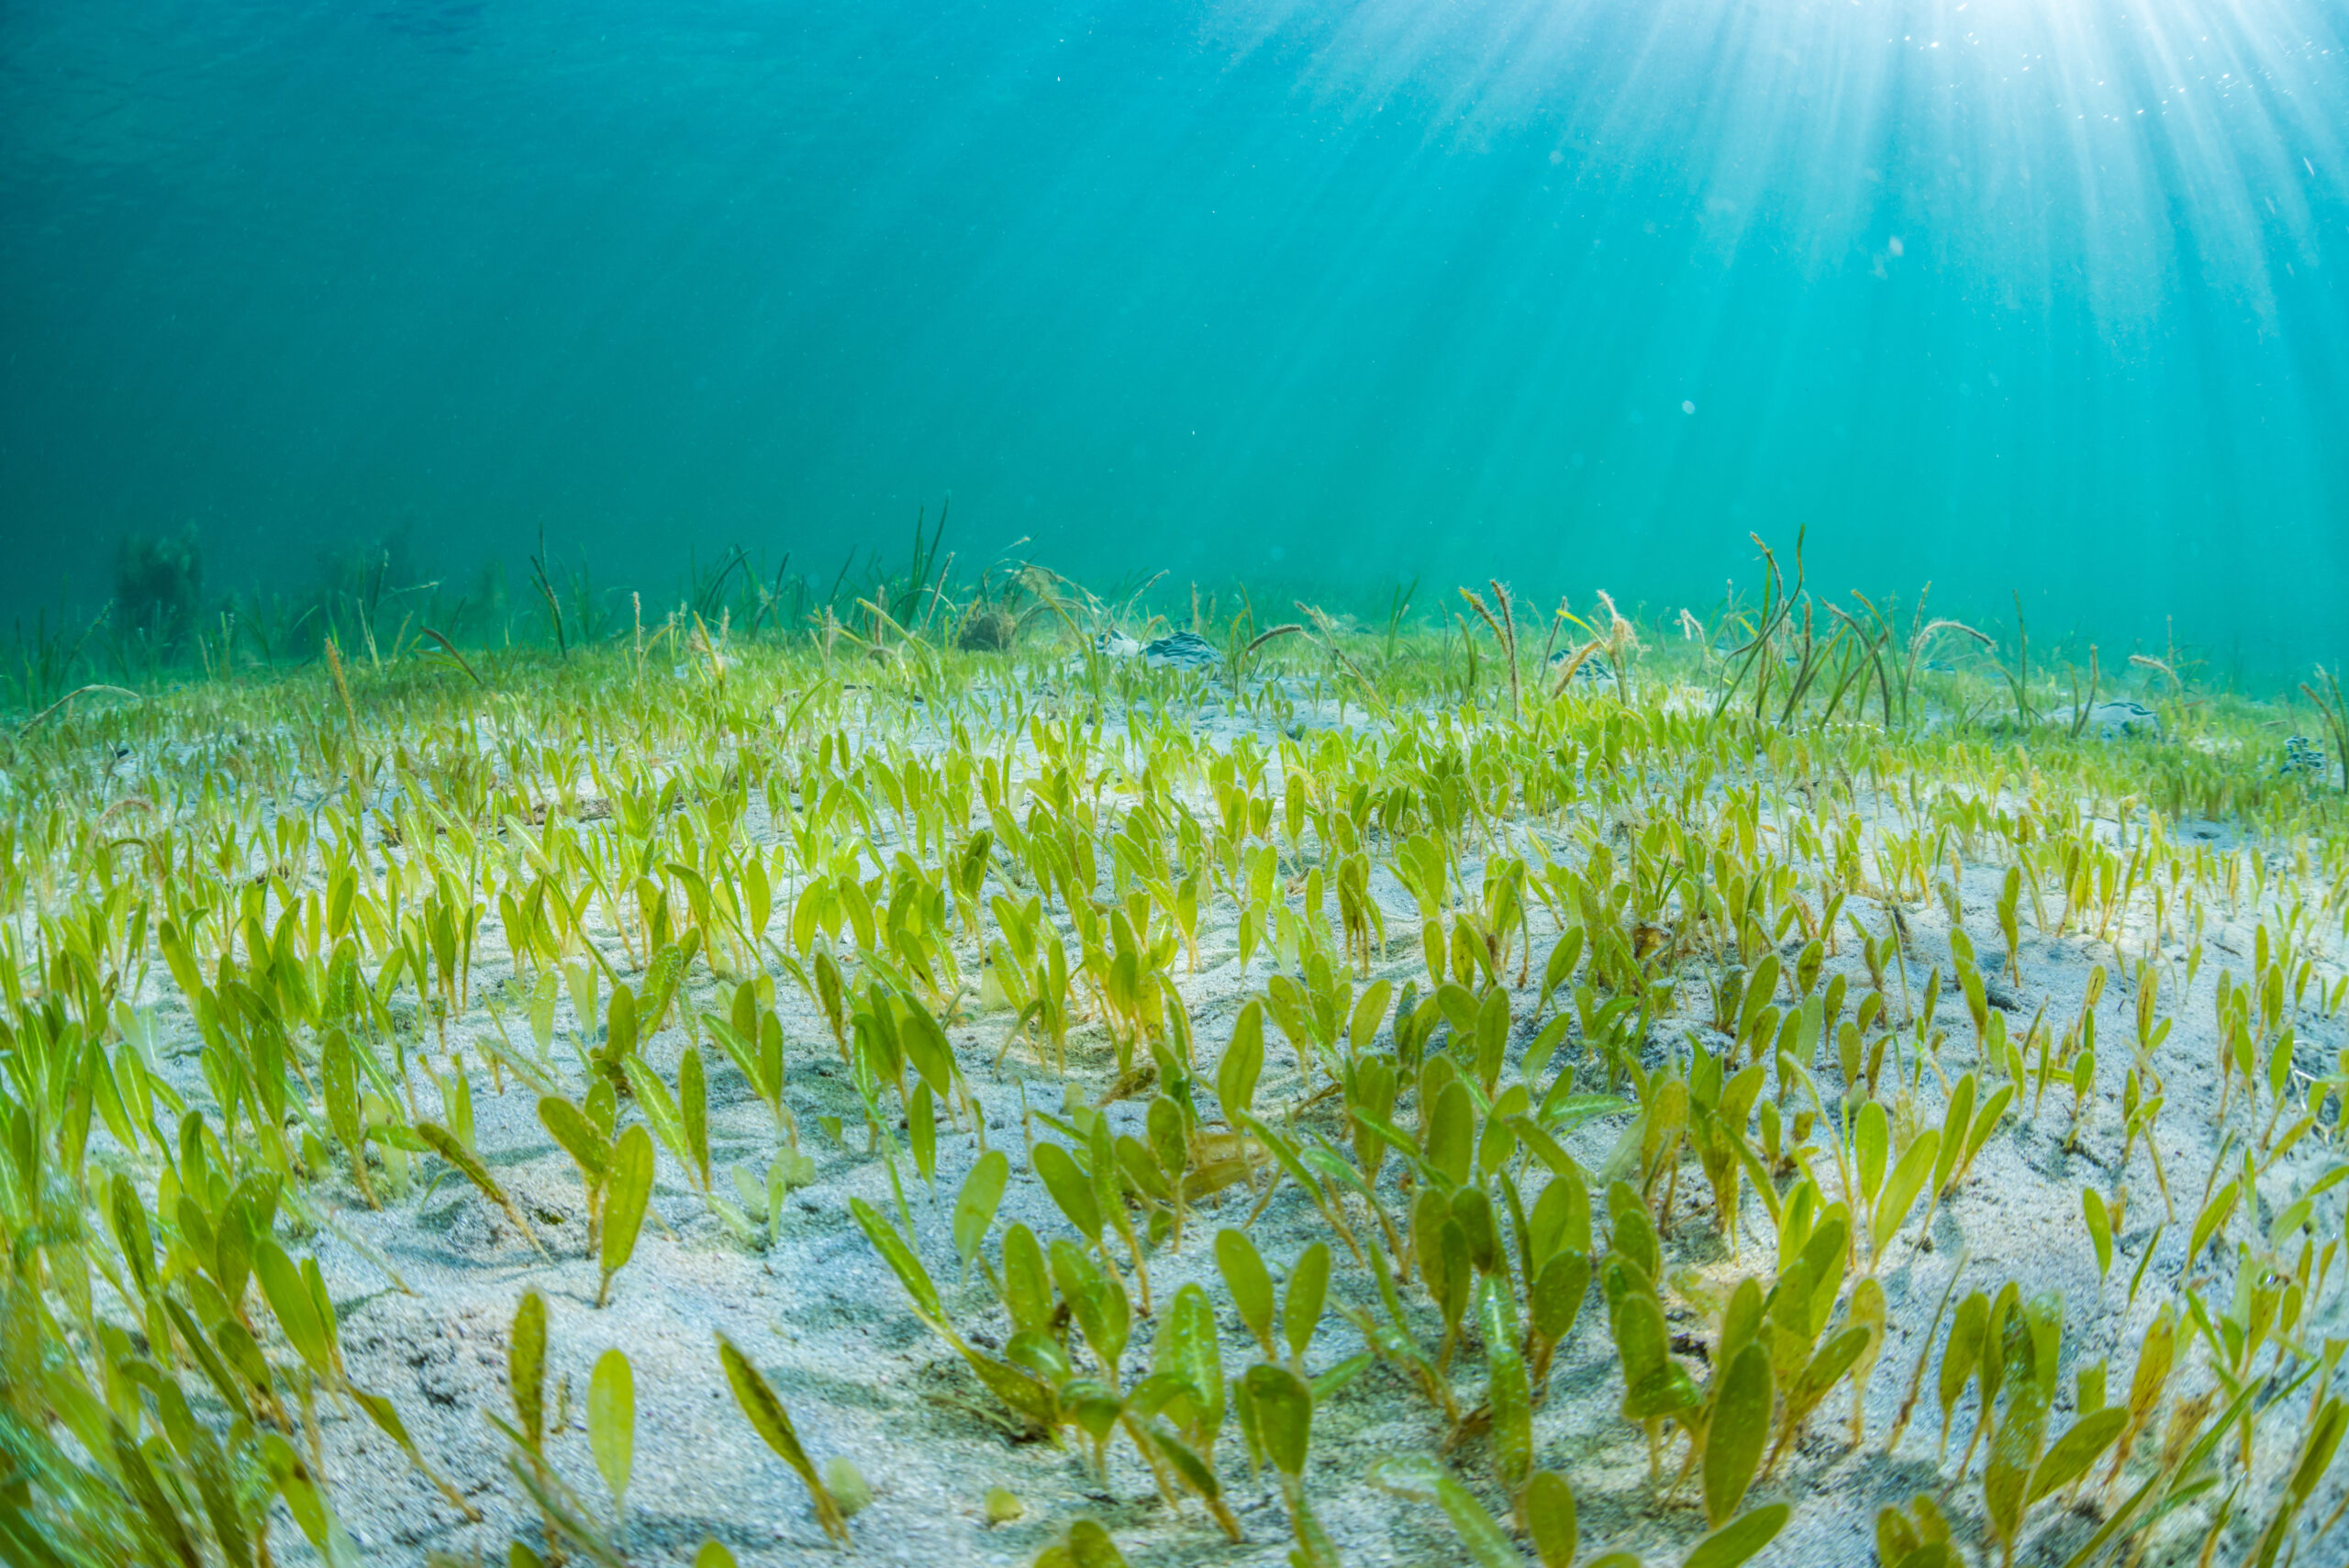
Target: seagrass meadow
{"x": 995, "y": 1074}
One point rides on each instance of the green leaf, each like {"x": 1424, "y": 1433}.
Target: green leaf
{"x": 2099, "y": 1227}
{"x": 848, "y": 1485}
{"x": 1251, "y": 1284}
{"x": 2078, "y": 1448}
{"x": 1545, "y": 1045}
{"x": 1653, "y": 1385}
{"x": 2323, "y": 1442}
{"x": 974, "y": 1206}
{"x": 693, "y": 1104}
{"x": 1740, "y": 1431}
{"x": 773, "y": 1423}
{"x": 526, "y": 1367}
{"x": 754, "y": 1194}
{"x": 1309, "y": 1284}
{"x": 443, "y": 1142}
{"x": 1956, "y": 1121}
{"x": 290, "y": 1300}
{"x": 1871, "y": 1141}
{"x": 631, "y": 1190}
{"x": 1327, "y": 1385}
{"x": 1071, "y": 1188}
{"x": 138, "y": 1479}
{"x": 577, "y": 1136}
{"x": 1900, "y": 1189}
{"x": 1509, "y": 1391}
{"x": 1026, "y": 1283}
{"x": 740, "y": 1049}
{"x": 1423, "y": 1480}
{"x": 387, "y": 1417}
{"x": 339, "y": 1080}
{"x": 1963, "y": 1351}
{"x": 1548, "y": 1508}
{"x": 1095, "y": 1300}
{"x": 660, "y": 1107}
{"x": 1089, "y": 1546}
{"x": 1188, "y": 1351}
{"x": 1556, "y": 1298}
{"x": 1092, "y": 1405}
{"x": 1387, "y": 1133}
{"x": 611, "y": 1421}
{"x": 127, "y": 1215}
{"x": 1738, "y": 1539}
{"x": 1449, "y": 1135}
{"x": 1370, "y": 1011}
{"x": 1563, "y": 959}
{"x": 1284, "y": 1408}
{"x": 926, "y": 1046}
{"x": 1242, "y": 1064}
{"x": 216, "y": 1370}
{"x": 1491, "y": 1035}
{"x": 1563, "y": 1113}
{"x": 1826, "y": 1369}
{"x": 921, "y": 1133}
{"x": 2212, "y": 1219}
{"x": 1634, "y": 1237}
{"x": 901, "y": 1258}
{"x": 1026, "y": 1395}
{"x": 2014, "y": 1454}
{"x": 619, "y": 1023}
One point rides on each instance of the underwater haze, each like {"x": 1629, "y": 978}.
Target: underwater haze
{"x": 2014, "y": 296}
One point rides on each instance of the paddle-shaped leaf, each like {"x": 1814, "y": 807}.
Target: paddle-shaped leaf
{"x": 1738, "y": 1539}
{"x": 1548, "y": 1509}
{"x": 773, "y": 1423}
{"x": 2100, "y": 1222}
{"x": 1027, "y": 1283}
{"x": 1071, "y": 1188}
{"x": 570, "y": 1127}
{"x": 443, "y": 1142}
{"x": 1423, "y": 1480}
{"x": 1187, "y": 1351}
{"x": 296, "y": 1310}
{"x": 526, "y": 1368}
{"x": 902, "y": 1259}
{"x": 1284, "y": 1412}
{"x": 1242, "y": 1064}
{"x": 693, "y": 1108}
{"x": 1739, "y": 1433}
{"x": 2069, "y": 1457}
{"x": 1509, "y": 1390}
{"x": 1251, "y": 1284}
{"x": 1900, "y": 1188}
{"x": 1449, "y": 1135}
{"x": 974, "y": 1206}
{"x": 1308, "y": 1284}
{"x": 630, "y": 1189}
{"x": 611, "y": 1422}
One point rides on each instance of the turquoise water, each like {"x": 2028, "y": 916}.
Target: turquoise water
{"x": 2008, "y": 295}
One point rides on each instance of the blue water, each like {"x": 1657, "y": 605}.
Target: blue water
{"x": 2010, "y": 295}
